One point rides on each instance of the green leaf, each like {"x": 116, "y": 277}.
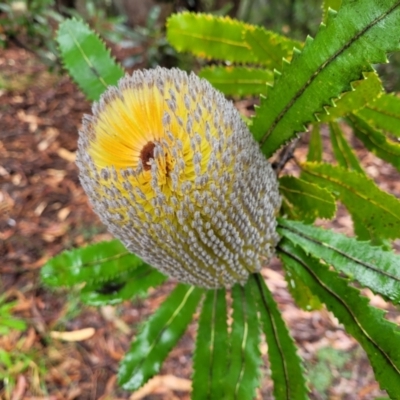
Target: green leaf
{"x": 383, "y": 113}
{"x": 210, "y": 356}
{"x": 243, "y": 374}
{"x": 287, "y": 371}
{"x": 315, "y": 145}
{"x": 127, "y": 285}
{"x": 269, "y": 48}
{"x": 238, "y": 80}
{"x": 86, "y": 58}
{"x": 329, "y": 4}
{"x": 342, "y": 151}
{"x": 376, "y": 141}
{"x": 100, "y": 262}
{"x": 301, "y": 293}
{"x": 361, "y": 33}
{"x": 308, "y": 201}
{"x": 110, "y": 273}
{"x": 222, "y": 38}
{"x": 363, "y": 92}
{"x": 376, "y": 209}
{"x": 158, "y": 336}
{"x": 379, "y": 338}
{"x": 371, "y": 266}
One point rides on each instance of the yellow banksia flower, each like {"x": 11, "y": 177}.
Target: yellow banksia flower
{"x": 172, "y": 170}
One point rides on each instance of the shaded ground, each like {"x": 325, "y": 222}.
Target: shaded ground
{"x": 43, "y": 210}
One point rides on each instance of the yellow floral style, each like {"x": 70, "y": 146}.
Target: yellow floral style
{"x": 174, "y": 173}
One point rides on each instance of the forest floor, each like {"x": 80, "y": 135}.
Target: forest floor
{"x": 43, "y": 210}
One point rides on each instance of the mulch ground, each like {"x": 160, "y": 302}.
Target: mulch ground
{"x": 43, "y": 210}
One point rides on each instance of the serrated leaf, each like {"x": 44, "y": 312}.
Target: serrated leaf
{"x": 315, "y": 145}
{"x": 238, "y": 80}
{"x": 379, "y": 338}
{"x": 376, "y": 209}
{"x": 86, "y": 58}
{"x": 341, "y": 149}
{"x": 308, "y": 201}
{"x": 243, "y": 375}
{"x": 364, "y": 91}
{"x": 127, "y": 285}
{"x": 269, "y": 47}
{"x": 287, "y": 371}
{"x": 157, "y": 337}
{"x": 100, "y": 262}
{"x": 110, "y": 273}
{"x": 211, "y": 351}
{"x": 334, "y": 5}
{"x": 361, "y": 33}
{"x": 383, "y": 113}
{"x": 222, "y": 38}
{"x": 376, "y": 141}
{"x": 301, "y": 293}
{"x": 371, "y": 266}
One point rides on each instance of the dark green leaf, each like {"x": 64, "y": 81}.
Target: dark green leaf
{"x": 361, "y": 33}
{"x": 372, "y": 266}
{"x": 376, "y": 209}
{"x": 86, "y": 58}
{"x": 111, "y": 274}
{"x": 309, "y": 201}
{"x": 100, "y": 262}
{"x": 315, "y": 145}
{"x": 243, "y": 374}
{"x": 383, "y": 113}
{"x": 376, "y": 141}
{"x": 342, "y": 151}
{"x": 210, "y": 356}
{"x": 125, "y": 287}
{"x": 238, "y": 80}
{"x": 158, "y": 336}
{"x": 287, "y": 371}
{"x": 379, "y": 337}
{"x": 363, "y": 92}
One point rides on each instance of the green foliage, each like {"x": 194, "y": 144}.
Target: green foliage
{"x": 29, "y": 24}
{"x": 210, "y": 350}
{"x": 287, "y": 372}
{"x": 110, "y": 273}
{"x": 329, "y": 80}
{"x": 376, "y": 141}
{"x": 222, "y": 38}
{"x": 363, "y": 92}
{"x": 315, "y": 144}
{"x": 243, "y": 374}
{"x": 379, "y": 337}
{"x": 371, "y": 266}
{"x": 325, "y": 69}
{"x": 342, "y": 151}
{"x": 86, "y": 58}
{"x": 378, "y": 210}
{"x": 238, "y": 80}
{"x": 7, "y": 321}
{"x": 383, "y": 113}
{"x": 305, "y": 201}
{"x": 158, "y": 336}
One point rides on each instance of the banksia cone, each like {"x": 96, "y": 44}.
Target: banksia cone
{"x": 174, "y": 173}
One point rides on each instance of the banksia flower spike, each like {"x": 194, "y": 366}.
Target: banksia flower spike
{"x": 174, "y": 173}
